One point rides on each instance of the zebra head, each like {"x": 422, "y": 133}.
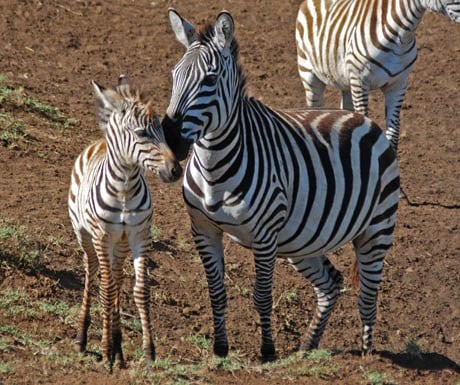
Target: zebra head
{"x": 205, "y": 80}
{"x": 133, "y": 132}
{"x": 450, "y": 8}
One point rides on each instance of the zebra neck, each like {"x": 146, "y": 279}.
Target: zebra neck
{"x": 121, "y": 179}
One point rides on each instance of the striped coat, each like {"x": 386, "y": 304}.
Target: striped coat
{"x": 289, "y": 183}
{"x": 362, "y": 45}
{"x": 110, "y": 208}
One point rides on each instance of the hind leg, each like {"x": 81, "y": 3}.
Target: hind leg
{"x": 327, "y": 282}
{"x": 91, "y": 267}
{"x": 371, "y": 248}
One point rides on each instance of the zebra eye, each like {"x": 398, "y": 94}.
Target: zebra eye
{"x": 141, "y": 133}
{"x": 210, "y": 80}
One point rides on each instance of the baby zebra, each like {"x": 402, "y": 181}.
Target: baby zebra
{"x": 293, "y": 184}
{"x": 111, "y": 209}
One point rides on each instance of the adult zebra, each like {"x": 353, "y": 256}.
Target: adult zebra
{"x": 294, "y": 184}
{"x": 111, "y": 209}
{"x": 359, "y": 46}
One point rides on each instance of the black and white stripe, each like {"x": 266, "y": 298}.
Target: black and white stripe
{"x": 359, "y": 46}
{"x": 111, "y": 209}
{"x": 288, "y": 183}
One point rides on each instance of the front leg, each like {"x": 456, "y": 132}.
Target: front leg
{"x": 394, "y": 97}
{"x": 108, "y": 292}
{"x": 140, "y": 249}
{"x": 209, "y": 246}
{"x": 264, "y": 258}
{"x": 360, "y": 96}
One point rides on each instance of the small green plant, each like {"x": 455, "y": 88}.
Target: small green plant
{"x": 155, "y": 232}
{"x": 18, "y": 98}
{"x": 5, "y": 368}
{"x": 318, "y": 355}
{"x": 201, "y": 342}
{"x": 3, "y": 344}
{"x": 377, "y": 378}
{"x": 231, "y": 364}
{"x": 133, "y": 323}
{"x": 11, "y": 130}
{"x": 58, "y": 308}
{"x": 9, "y": 297}
{"x": 183, "y": 245}
{"x": 292, "y": 296}
{"x": 9, "y": 330}
{"x": 14, "y": 238}
{"x": 243, "y": 290}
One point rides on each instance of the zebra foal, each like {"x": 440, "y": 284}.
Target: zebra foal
{"x": 359, "y": 46}
{"x": 111, "y": 209}
{"x": 289, "y": 183}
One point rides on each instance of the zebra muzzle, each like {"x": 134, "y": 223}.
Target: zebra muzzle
{"x": 172, "y": 130}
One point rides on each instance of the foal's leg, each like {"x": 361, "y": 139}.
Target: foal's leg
{"x": 141, "y": 292}
{"x": 119, "y": 254}
{"x": 91, "y": 267}
{"x": 327, "y": 282}
{"x": 107, "y": 294}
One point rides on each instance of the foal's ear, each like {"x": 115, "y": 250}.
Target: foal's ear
{"x": 109, "y": 99}
{"x": 224, "y": 29}
{"x": 184, "y": 30}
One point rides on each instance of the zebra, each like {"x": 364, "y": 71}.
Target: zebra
{"x": 289, "y": 183}
{"x": 359, "y": 46}
{"x": 111, "y": 209}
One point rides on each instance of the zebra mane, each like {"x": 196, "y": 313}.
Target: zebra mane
{"x": 206, "y": 36}
{"x": 122, "y": 97}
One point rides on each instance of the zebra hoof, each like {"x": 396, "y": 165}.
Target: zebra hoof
{"x": 119, "y": 360}
{"x": 80, "y": 345}
{"x": 268, "y": 353}
{"x": 221, "y": 349}
{"x": 307, "y": 346}
{"x": 367, "y": 352}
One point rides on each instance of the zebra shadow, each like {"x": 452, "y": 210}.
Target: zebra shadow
{"x": 418, "y": 360}
{"x": 34, "y": 268}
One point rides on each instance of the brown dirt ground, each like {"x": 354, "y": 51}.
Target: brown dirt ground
{"x": 52, "y": 49}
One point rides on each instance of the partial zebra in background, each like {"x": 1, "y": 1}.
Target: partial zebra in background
{"x": 359, "y": 46}
{"x": 111, "y": 209}
{"x": 295, "y": 184}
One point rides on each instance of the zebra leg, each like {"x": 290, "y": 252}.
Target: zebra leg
{"x": 394, "y": 97}
{"x": 142, "y": 300}
{"x": 360, "y": 96}
{"x": 119, "y": 253}
{"x": 211, "y": 252}
{"x": 314, "y": 89}
{"x": 107, "y": 296}
{"x": 327, "y": 283}
{"x": 91, "y": 266}
{"x": 347, "y": 101}
{"x": 371, "y": 248}
{"x": 264, "y": 258}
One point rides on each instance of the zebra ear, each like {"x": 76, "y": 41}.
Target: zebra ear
{"x": 184, "y": 31}
{"x": 224, "y": 29}
{"x": 109, "y": 99}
